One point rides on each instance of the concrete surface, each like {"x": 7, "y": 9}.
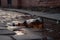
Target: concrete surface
{"x": 28, "y": 35}
{"x": 9, "y": 16}
{"x": 55, "y": 16}
{"x": 6, "y": 32}
{"x": 5, "y": 37}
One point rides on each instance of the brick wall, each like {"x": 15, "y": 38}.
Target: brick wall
{"x": 25, "y": 3}
{"x": 14, "y": 3}
{"x": 4, "y": 3}
{"x": 29, "y": 3}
